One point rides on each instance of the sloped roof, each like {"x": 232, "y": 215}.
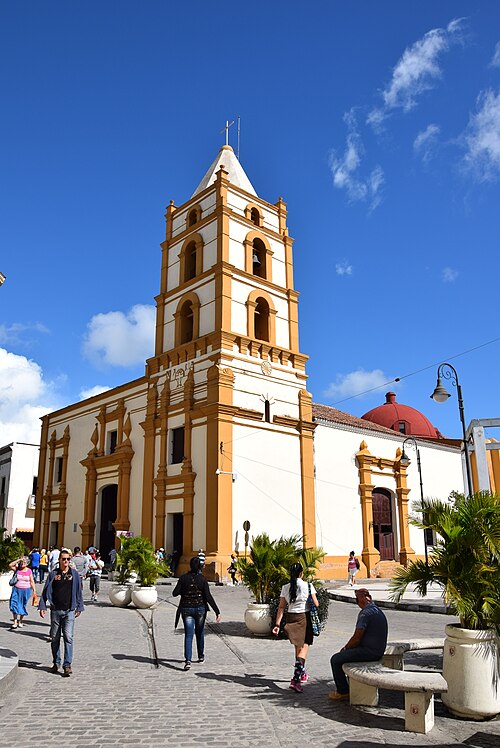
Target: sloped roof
{"x": 327, "y": 413}
{"x": 226, "y": 157}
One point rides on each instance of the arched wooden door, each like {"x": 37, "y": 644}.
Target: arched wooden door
{"x": 382, "y": 524}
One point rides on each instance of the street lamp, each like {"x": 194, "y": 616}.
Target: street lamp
{"x": 440, "y": 395}
{"x": 405, "y": 461}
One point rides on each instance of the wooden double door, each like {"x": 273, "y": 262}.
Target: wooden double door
{"x": 383, "y": 530}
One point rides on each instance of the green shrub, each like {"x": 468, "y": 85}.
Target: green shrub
{"x": 11, "y": 548}
{"x": 137, "y": 554}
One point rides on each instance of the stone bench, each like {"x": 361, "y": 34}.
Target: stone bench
{"x": 395, "y": 651}
{"x": 8, "y": 670}
{"x": 365, "y": 678}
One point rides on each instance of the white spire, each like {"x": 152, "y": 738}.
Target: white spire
{"x": 237, "y": 176}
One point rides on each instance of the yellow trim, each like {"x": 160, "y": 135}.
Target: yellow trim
{"x": 197, "y": 210}
{"x": 197, "y": 240}
{"x": 367, "y": 467}
{"x": 42, "y": 461}
{"x": 195, "y": 306}
{"x": 248, "y": 214}
{"x": 306, "y": 430}
{"x": 248, "y": 244}
{"x": 251, "y": 305}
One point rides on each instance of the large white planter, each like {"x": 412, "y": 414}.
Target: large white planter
{"x": 470, "y": 667}
{"x": 120, "y": 595}
{"x": 5, "y": 588}
{"x": 258, "y": 619}
{"x": 144, "y": 597}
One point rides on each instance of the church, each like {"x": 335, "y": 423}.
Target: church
{"x": 221, "y": 430}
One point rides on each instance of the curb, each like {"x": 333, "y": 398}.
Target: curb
{"x": 9, "y": 663}
{"x": 413, "y": 607}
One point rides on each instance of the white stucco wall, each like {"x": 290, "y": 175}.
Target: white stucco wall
{"x": 337, "y": 480}
{"x": 19, "y": 465}
{"x": 267, "y": 491}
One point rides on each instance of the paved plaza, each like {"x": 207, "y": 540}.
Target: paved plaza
{"x": 128, "y": 686}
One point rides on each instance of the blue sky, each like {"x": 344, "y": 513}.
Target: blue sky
{"x": 378, "y": 122}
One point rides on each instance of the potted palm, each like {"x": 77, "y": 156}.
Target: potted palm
{"x": 140, "y": 557}
{"x": 120, "y": 593}
{"x": 466, "y": 564}
{"x": 11, "y": 548}
{"x": 266, "y": 570}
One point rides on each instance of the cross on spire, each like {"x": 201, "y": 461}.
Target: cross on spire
{"x": 226, "y": 129}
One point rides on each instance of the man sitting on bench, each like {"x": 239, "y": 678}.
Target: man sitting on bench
{"x": 367, "y": 644}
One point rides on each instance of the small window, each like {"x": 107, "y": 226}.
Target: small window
{"x": 190, "y": 262}
{"x": 112, "y": 441}
{"x": 255, "y": 216}
{"x": 2, "y": 490}
{"x": 187, "y": 322}
{"x": 259, "y": 258}
{"x": 177, "y": 446}
{"x": 192, "y": 217}
{"x": 267, "y": 411}
{"x": 59, "y": 467}
{"x": 402, "y": 427}
{"x": 261, "y": 320}
{"x": 35, "y": 482}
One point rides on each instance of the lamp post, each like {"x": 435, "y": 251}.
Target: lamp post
{"x": 441, "y": 395}
{"x": 405, "y": 460}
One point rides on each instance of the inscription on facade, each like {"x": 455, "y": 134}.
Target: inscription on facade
{"x": 177, "y": 374}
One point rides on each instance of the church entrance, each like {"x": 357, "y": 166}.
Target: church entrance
{"x": 382, "y": 524}
{"x": 108, "y": 516}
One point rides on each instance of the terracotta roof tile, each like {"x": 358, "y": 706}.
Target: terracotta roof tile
{"x": 327, "y": 413}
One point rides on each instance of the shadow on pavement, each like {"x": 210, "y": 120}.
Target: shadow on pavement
{"x": 314, "y": 697}
{"x": 150, "y": 661}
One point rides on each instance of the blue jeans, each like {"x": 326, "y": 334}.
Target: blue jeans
{"x": 356, "y": 654}
{"x": 62, "y": 622}
{"x": 194, "y": 623}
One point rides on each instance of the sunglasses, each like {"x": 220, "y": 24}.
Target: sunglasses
{"x": 66, "y": 558}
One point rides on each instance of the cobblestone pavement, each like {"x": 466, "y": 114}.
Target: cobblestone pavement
{"x": 238, "y": 697}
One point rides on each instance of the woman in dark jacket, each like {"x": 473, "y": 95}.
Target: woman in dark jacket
{"x": 195, "y": 599}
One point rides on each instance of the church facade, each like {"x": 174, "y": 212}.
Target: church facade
{"x": 221, "y": 429}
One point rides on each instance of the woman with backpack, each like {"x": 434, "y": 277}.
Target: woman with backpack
{"x": 352, "y": 568}
{"x": 298, "y": 626}
{"x": 195, "y": 599}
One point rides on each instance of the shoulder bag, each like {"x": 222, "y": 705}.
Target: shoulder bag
{"x": 13, "y": 579}
{"x": 313, "y": 612}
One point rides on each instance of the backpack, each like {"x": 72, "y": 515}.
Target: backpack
{"x": 357, "y": 564}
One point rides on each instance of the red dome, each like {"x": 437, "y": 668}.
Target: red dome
{"x": 402, "y": 418}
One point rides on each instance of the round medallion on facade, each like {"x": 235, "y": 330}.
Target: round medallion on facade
{"x": 266, "y": 368}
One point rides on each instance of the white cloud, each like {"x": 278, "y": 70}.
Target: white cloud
{"x": 482, "y": 138}
{"x": 118, "y": 339}
{"x": 24, "y": 397}
{"x": 14, "y": 333}
{"x": 449, "y": 275}
{"x": 495, "y": 60}
{"x": 343, "y": 268}
{"x": 345, "y": 169}
{"x": 356, "y": 383}
{"x": 93, "y": 391}
{"x": 425, "y": 142}
{"x": 416, "y": 71}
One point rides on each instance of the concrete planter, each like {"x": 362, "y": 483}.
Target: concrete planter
{"x": 471, "y": 669}
{"x": 120, "y": 595}
{"x": 144, "y": 597}
{"x": 258, "y": 619}
{"x": 5, "y": 588}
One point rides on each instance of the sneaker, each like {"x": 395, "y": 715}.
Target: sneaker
{"x": 295, "y": 686}
{"x": 201, "y": 659}
{"x": 20, "y": 624}
{"x": 304, "y": 677}
{"x": 54, "y": 669}
{"x": 67, "y": 671}
{"x": 336, "y": 696}
{"x": 14, "y": 626}
{"x": 187, "y": 666}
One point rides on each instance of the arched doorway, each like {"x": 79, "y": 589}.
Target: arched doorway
{"x": 108, "y": 516}
{"x": 383, "y": 533}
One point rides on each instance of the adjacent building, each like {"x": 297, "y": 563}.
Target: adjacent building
{"x": 18, "y": 485}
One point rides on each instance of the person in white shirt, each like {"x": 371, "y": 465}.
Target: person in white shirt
{"x": 54, "y": 558}
{"x": 95, "y": 567}
{"x": 298, "y": 627}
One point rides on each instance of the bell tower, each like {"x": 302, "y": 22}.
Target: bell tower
{"x": 227, "y": 368}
